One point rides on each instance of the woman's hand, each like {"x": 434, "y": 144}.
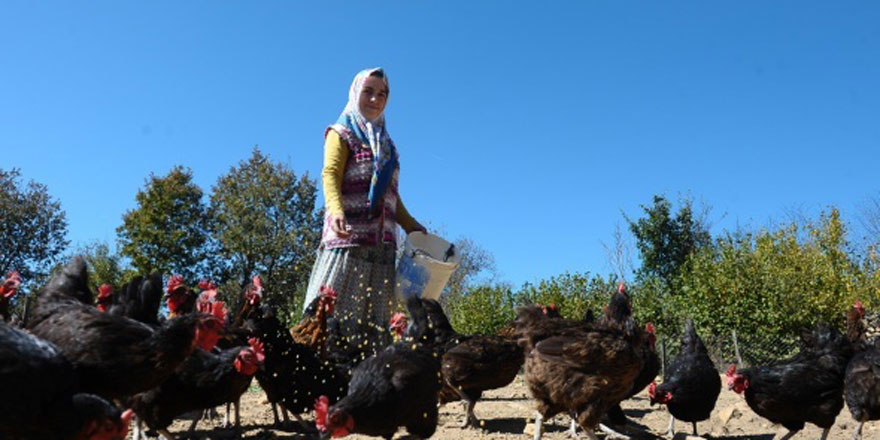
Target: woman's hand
{"x": 418, "y": 227}
{"x": 340, "y": 226}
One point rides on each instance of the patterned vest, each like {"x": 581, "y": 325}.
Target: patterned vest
{"x": 366, "y": 228}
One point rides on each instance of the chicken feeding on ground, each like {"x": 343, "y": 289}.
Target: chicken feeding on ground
{"x": 397, "y": 326}
{"x": 579, "y": 368}
{"x": 8, "y": 289}
{"x": 471, "y": 364}
{"x": 292, "y": 376}
{"x": 805, "y": 388}
{"x": 203, "y": 381}
{"x": 862, "y": 380}
{"x": 691, "y": 385}
{"x": 43, "y": 395}
{"x": 312, "y": 329}
{"x": 396, "y": 387}
{"x": 114, "y": 356}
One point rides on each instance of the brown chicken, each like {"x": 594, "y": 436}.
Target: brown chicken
{"x": 618, "y": 314}
{"x": 471, "y": 364}
{"x": 312, "y": 329}
{"x": 579, "y": 368}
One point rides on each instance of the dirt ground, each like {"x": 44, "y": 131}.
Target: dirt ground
{"x": 506, "y": 412}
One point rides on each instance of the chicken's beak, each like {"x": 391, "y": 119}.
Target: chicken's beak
{"x": 324, "y": 435}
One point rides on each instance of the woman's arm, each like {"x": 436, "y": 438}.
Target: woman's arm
{"x": 335, "y": 157}
{"x": 405, "y": 220}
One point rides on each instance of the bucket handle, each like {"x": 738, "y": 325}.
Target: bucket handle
{"x": 449, "y": 252}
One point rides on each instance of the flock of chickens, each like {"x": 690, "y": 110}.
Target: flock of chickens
{"x": 79, "y": 358}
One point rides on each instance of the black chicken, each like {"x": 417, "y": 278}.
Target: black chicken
{"x": 139, "y": 299}
{"x": 42, "y": 395}
{"x": 862, "y": 382}
{"x": 292, "y": 376}
{"x": 806, "y": 388}
{"x": 203, "y": 381}
{"x": 863, "y": 387}
{"x": 114, "y": 356}
{"x": 396, "y": 387}
{"x": 691, "y": 385}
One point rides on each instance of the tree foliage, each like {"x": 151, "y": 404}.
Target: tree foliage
{"x": 772, "y": 282}
{"x": 33, "y": 227}
{"x": 266, "y": 223}
{"x": 168, "y": 231}
{"x": 665, "y": 242}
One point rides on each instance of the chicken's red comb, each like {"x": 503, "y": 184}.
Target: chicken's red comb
{"x": 257, "y": 346}
{"x": 10, "y": 285}
{"x": 104, "y": 291}
{"x": 218, "y": 309}
{"x": 858, "y": 304}
{"x": 329, "y": 292}
{"x": 621, "y": 288}
{"x": 397, "y": 319}
{"x": 652, "y": 389}
{"x": 731, "y": 370}
{"x": 174, "y": 283}
{"x": 322, "y": 407}
{"x": 649, "y": 328}
{"x": 258, "y": 283}
{"x": 206, "y": 284}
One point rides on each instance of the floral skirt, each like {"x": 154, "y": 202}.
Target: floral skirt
{"x": 363, "y": 278}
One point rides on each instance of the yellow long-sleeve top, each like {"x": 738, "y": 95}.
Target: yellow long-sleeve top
{"x": 335, "y": 156}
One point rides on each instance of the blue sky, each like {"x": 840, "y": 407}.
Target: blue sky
{"x": 528, "y": 127}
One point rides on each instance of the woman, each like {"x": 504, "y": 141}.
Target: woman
{"x": 362, "y": 211}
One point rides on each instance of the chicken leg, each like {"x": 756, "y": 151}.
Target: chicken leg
{"x": 858, "y": 434}
{"x": 788, "y": 435}
{"x": 539, "y": 427}
{"x": 573, "y": 429}
{"x": 611, "y": 433}
{"x": 671, "y": 431}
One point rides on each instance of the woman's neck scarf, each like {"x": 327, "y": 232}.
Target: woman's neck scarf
{"x": 371, "y": 133}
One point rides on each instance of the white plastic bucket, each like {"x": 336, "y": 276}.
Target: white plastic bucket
{"x": 425, "y": 266}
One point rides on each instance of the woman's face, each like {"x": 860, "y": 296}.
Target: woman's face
{"x": 373, "y": 97}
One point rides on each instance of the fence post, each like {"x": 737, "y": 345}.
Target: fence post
{"x": 739, "y": 358}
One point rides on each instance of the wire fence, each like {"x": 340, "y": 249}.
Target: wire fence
{"x": 735, "y": 348}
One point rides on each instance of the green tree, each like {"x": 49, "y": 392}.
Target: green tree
{"x": 169, "y": 229}
{"x": 665, "y": 242}
{"x": 266, "y": 223}
{"x": 32, "y": 228}
{"x": 770, "y": 284}
{"x": 105, "y": 266}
